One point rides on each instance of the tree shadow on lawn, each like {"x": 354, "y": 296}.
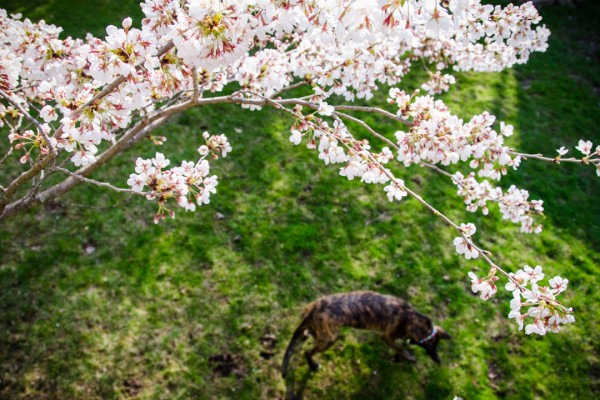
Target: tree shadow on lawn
{"x": 348, "y": 370}
{"x": 292, "y": 230}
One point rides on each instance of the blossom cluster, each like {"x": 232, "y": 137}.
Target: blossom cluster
{"x": 342, "y": 47}
{"x": 586, "y": 147}
{"x": 215, "y": 145}
{"x": 463, "y": 244}
{"x": 437, "y": 136}
{"x": 338, "y": 146}
{"x": 547, "y": 314}
{"x": 188, "y": 184}
{"x": 514, "y": 204}
{"x": 438, "y": 83}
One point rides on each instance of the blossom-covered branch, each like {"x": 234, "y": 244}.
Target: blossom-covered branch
{"x": 87, "y": 100}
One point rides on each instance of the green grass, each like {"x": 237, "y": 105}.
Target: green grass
{"x": 141, "y": 315}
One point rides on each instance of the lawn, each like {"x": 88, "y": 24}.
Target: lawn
{"x": 97, "y": 302}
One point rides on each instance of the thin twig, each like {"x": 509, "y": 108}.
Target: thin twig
{"x": 291, "y": 87}
{"x": 8, "y": 153}
{"x": 196, "y": 93}
{"x": 375, "y": 110}
{"x": 367, "y": 127}
{"x": 558, "y": 159}
{"x": 98, "y": 183}
{"x": 437, "y": 169}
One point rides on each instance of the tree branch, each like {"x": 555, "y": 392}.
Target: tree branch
{"x": 124, "y": 142}
{"x": 375, "y": 110}
{"x": 558, "y": 160}
{"x": 367, "y": 127}
{"x": 98, "y": 183}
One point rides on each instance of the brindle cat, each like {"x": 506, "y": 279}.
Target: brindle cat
{"x": 392, "y": 316}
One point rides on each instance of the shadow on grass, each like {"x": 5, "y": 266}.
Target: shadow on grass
{"x": 295, "y": 388}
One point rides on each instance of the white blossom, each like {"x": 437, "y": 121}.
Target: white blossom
{"x": 296, "y": 137}
{"x": 394, "y": 191}
{"x": 584, "y": 147}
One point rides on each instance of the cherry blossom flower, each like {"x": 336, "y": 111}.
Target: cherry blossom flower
{"x": 585, "y": 147}
{"x": 537, "y": 327}
{"x": 534, "y": 274}
{"x": 437, "y": 18}
{"x": 468, "y": 229}
{"x": 547, "y": 313}
{"x": 466, "y": 248}
{"x": 394, "y": 191}
{"x": 325, "y": 109}
{"x": 295, "y": 137}
{"x": 48, "y": 114}
{"x": 484, "y": 285}
{"x": 558, "y": 284}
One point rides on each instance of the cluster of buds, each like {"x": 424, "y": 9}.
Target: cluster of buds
{"x": 29, "y": 141}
